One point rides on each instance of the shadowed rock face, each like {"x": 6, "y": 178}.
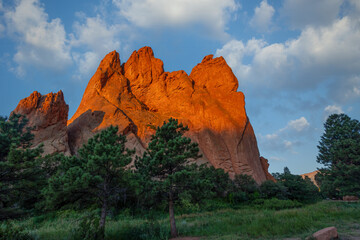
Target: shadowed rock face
{"x": 139, "y": 95}
{"x": 265, "y": 166}
{"x": 48, "y": 115}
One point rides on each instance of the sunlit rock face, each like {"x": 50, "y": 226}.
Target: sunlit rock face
{"x": 311, "y": 175}
{"x": 48, "y": 115}
{"x": 139, "y": 95}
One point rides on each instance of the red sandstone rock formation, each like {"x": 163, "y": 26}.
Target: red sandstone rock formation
{"x": 265, "y": 166}
{"x": 48, "y": 115}
{"x": 138, "y": 95}
{"x": 311, "y": 175}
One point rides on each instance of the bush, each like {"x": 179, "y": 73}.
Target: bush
{"x": 215, "y": 204}
{"x": 237, "y": 197}
{"x": 148, "y": 230}
{"x": 186, "y": 205}
{"x": 9, "y": 231}
{"x": 88, "y": 228}
{"x": 302, "y": 190}
{"x": 245, "y": 183}
{"x": 270, "y": 189}
{"x": 276, "y": 204}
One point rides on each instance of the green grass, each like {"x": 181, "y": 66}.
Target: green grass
{"x": 245, "y": 223}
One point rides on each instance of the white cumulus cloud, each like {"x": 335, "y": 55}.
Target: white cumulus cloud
{"x": 98, "y": 38}
{"x": 262, "y": 17}
{"x": 211, "y": 14}
{"x": 234, "y": 51}
{"x": 298, "y": 125}
{"x": 317, "y": 54}
{"x": 41, "y": 42}
{"x": 96, "y": 34}
{"x": 332, "y": 109}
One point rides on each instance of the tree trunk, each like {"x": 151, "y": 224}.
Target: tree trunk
{"x": 103, "y": 219}
{"x": 172, "y": 217}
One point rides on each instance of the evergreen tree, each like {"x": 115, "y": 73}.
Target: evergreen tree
{"x": 218, "y": 180}
{"x": 165, "y": 166}
{"x": 98, "y": 171}
{"x": 339, "y": 151}
{"x": 297, "y": 188}
{"x": 245, "y": 183}
{"x": 21, "y": 176}
{"x": 270, "y": 189}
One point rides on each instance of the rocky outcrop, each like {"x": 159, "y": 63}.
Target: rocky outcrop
{"x": 139, "y": 95}
{"x": 265, "y": 166}
{"x": 48, "y": 115}
{"x": 311, "y": 175}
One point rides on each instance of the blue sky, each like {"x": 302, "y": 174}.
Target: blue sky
{"x": 297, "y": 61}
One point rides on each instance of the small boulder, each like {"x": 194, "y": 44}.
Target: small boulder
{"x": 350, "y": 198}
{"x": 325, "y": 234}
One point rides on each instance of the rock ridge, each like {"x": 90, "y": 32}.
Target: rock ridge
{"x": 139, "y": 95}
{"x": 48, "y": 115}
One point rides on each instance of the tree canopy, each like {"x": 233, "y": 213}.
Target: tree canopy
{"x": 165, "y": 166}
{"x": 99, "y": 170}
{"x": 339, "y": 151}
{"x": 20, "y": 174}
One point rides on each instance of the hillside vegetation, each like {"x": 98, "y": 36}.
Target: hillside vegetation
{"x": 247, "y": 222}
{"x": 96, "y": 194}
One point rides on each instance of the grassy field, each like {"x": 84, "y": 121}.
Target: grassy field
{"x": 244, "y": 223}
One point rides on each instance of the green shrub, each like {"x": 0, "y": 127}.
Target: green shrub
{"x": 186, "y": 205}
{"x": 276, "y": 204}
{"x": 148, "y": 230}
{"x": 245, "y": 183}
{"x": 215, "y": 204}
{"x": 88, "y": 228}
{"x": 302, "y": 190}
{"x": 237, "y": 197}
{"x": 270, "y": 189}
{"x": 9, "y": 231}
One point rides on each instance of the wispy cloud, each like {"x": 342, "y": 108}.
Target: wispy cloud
{"x": 286, "y": 138}
{"x": 302, "y": 13}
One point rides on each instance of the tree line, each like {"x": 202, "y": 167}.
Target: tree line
{"x": 102, "y": 176}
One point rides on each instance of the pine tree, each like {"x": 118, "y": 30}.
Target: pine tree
{"x": 21, "y": 176}
{"x": 165, "y": 166}
{"x": 99, "y": 171}
{"x": 339, "y": 151}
